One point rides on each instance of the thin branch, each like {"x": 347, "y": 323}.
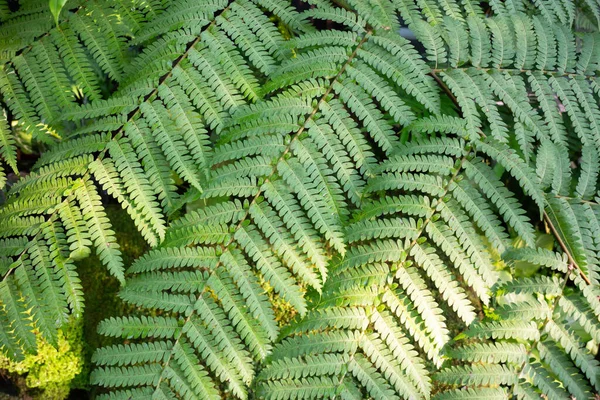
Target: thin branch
{"x": 564, "y": 247}
{"x": 446, "y": 90}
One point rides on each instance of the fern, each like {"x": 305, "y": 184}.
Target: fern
{"x": 394, "y": 272}
{"x": 279, "y": 163}
{"x": 397, "y": 197}
{"x": 402, "y": 265}
{"x": 127, "y": 161}
{"x": 556, "y": 355}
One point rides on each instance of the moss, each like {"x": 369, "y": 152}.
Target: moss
{"x": 284, "y": 311}
{"x": 49, "y": 373}
{"x": 52, "y": 373}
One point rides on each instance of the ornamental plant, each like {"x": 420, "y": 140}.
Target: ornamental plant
{"x": 415, "y": 182}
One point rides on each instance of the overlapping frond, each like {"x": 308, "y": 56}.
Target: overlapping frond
{"x": 423, "y": 253}
{"x": 48, "y": 70}
{"x": 400, "y": 206}
{"x": 513, "y": 72}
{"x": 553, "y": 360}
{"x": 418, "y": 254}
{"x": 155, "y": 146}
{"x": 286, "y": 173}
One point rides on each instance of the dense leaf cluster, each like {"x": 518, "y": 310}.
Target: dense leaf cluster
{"x": 428, "y": 207}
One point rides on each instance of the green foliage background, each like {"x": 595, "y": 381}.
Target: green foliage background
{"x": 292, "y": 200}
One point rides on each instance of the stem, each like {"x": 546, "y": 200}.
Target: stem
{"x": 446, "y": 90}
{"x": 257, "y": 196}
{"x": 546, "y": 218}
{"x": 564, "y": 247}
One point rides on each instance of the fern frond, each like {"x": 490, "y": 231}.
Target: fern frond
{"x": 8, "y": 150}
{"x": 413, "y": 181}
{"x": 440, "y": 245}
{"x": 285, "y": 220}
{"x": 128, "y": 145}
{"x": 556, "y": 364}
